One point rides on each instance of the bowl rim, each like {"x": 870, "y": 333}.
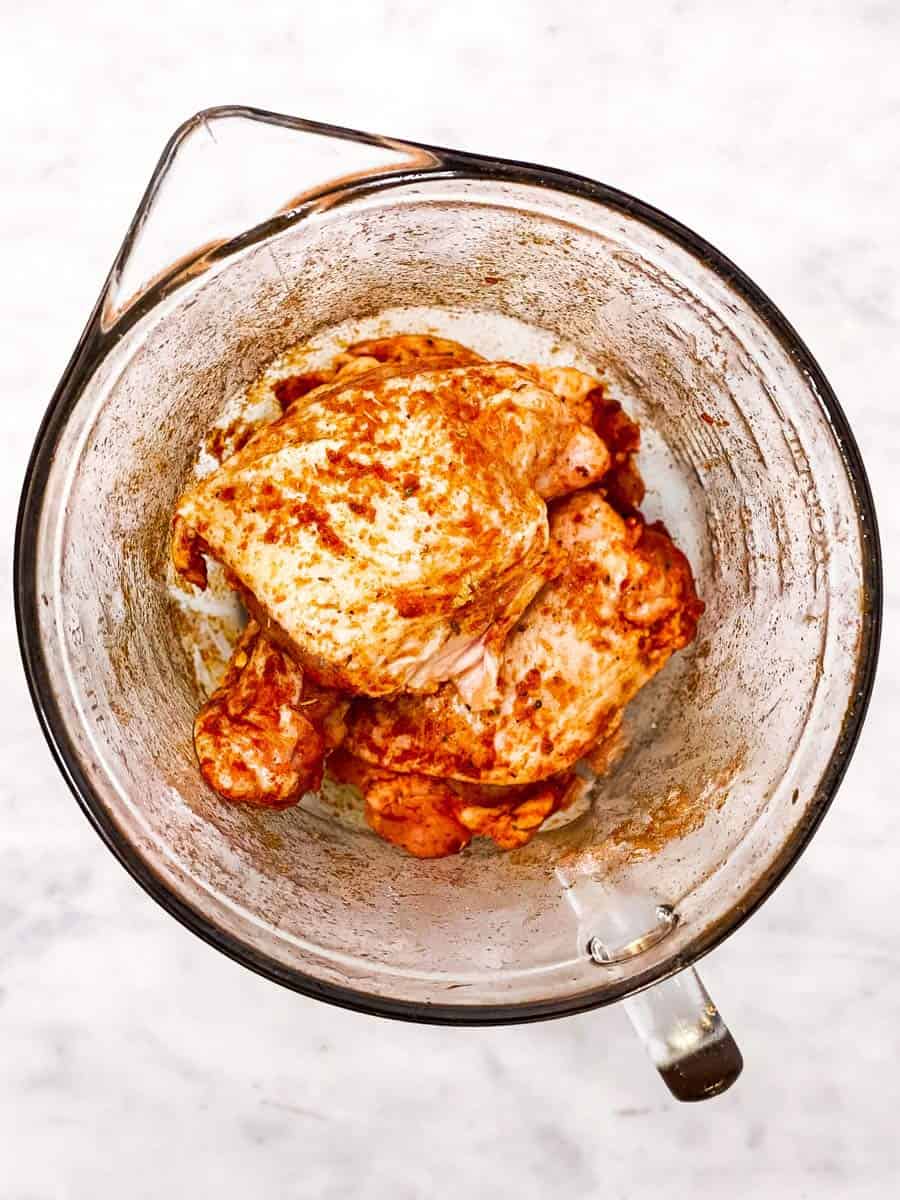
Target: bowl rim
{"x": 453, "y": 164}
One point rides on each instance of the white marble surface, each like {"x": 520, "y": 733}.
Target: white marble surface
{"x": 135, "y": 1060}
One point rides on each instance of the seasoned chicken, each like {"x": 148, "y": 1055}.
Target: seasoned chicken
{"x": 595, "y": 635}
{"x": 587, "y": 402}
{"x": 389, "y": 535}
{"x": 262, "y": 737}
{"x": 388, "y": 530}
{"x": 432, "y": 818}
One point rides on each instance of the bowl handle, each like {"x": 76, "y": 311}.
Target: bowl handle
{"x": 680, "y": 1027}
{"x": 231, "y": 174}
{"x": 688, "y": 1042}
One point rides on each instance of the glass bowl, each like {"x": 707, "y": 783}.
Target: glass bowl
{"x": 259, "y": 231}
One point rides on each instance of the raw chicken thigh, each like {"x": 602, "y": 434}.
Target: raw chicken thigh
{"x": 623, "y": 603}
{"x": 263, "y": 736}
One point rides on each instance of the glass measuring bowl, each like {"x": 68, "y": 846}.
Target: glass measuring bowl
{"x": 258, "y": 231}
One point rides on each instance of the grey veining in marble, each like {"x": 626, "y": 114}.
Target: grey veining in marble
{"x": 135, "y": 1060}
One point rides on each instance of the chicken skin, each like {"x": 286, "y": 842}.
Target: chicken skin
{"x": 593, "y": 637}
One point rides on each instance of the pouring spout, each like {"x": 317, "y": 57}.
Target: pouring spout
{"x": 230, "y": 174}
